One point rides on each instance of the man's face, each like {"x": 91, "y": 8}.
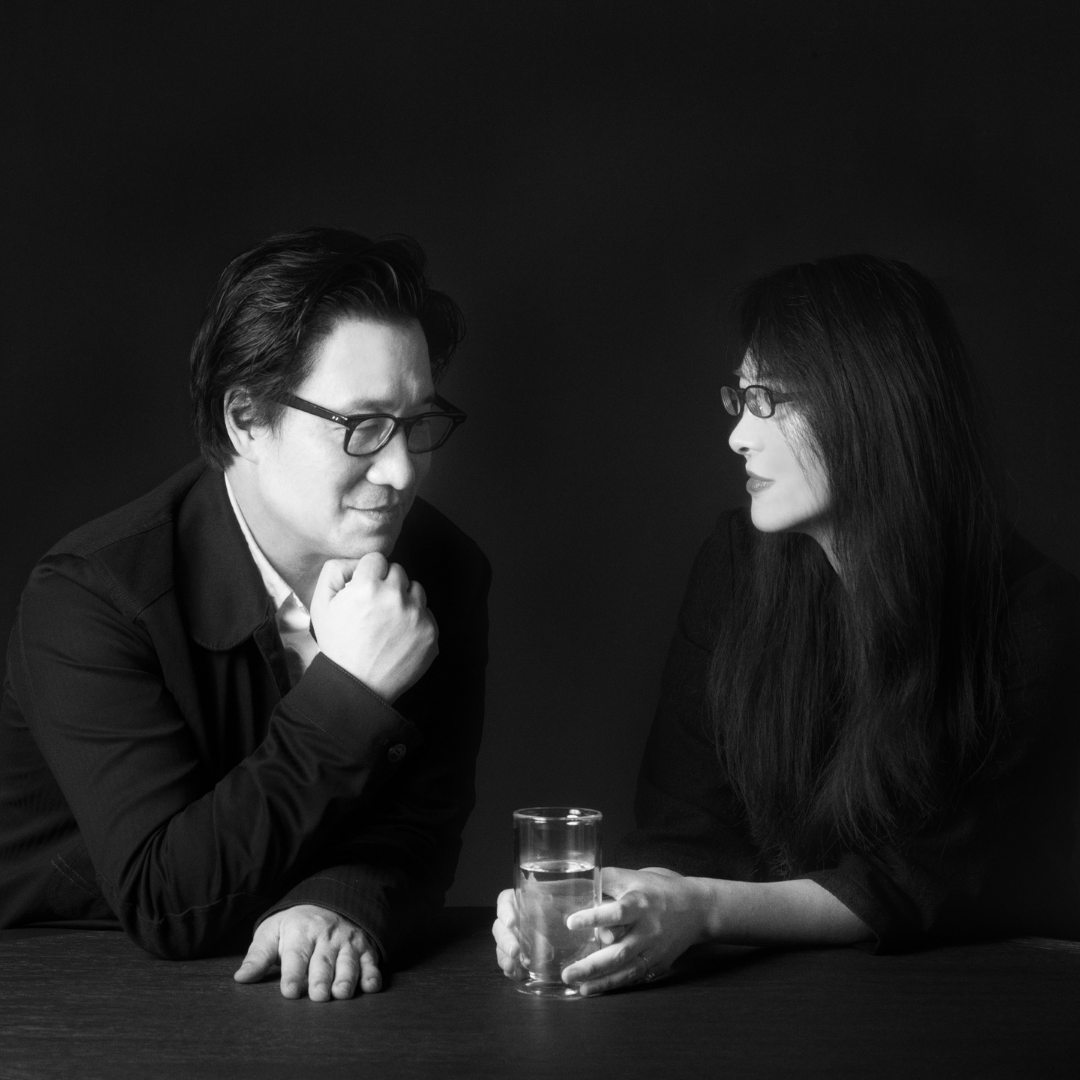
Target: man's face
{"x": 315, "y": 502}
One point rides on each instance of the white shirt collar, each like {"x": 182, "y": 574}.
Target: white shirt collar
{"x": 276, "y": 586}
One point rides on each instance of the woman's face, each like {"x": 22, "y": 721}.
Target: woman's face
{"x": 788, "y": 486}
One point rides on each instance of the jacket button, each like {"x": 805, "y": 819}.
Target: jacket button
{"x": 396, "y": 753}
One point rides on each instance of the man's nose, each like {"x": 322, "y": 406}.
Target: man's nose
{"x": 393, "y": 466}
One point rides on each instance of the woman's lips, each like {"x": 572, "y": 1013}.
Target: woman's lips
{"x": 756, "y": 484}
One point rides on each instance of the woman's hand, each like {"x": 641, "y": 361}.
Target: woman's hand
{"x": 507, "y": 949}
{"x": 507, "y": 946}
{"x": 654, "y": 917}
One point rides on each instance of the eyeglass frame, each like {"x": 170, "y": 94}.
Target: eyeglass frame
{"x": 351, "y": 423}
{"x": 771, "y": 396}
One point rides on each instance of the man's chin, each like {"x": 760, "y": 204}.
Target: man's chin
{"x": 356, "y": 547}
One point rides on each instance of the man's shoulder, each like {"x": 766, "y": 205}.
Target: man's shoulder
{"x": 131, "y": 547}
{"x": 145, "y": 514}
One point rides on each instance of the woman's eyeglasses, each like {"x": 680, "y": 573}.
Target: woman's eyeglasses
{"x": 760, "y": 400}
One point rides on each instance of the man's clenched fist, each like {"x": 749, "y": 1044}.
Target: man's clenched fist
{"x": 373, "y": 622}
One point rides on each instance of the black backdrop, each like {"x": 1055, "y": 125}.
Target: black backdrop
{"x": 590, "y": 181}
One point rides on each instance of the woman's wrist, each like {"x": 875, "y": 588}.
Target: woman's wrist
{"x": 775, "y": 912}
{"x": 715, "y": 906}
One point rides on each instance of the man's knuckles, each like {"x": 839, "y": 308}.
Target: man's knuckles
{"x": 393, "y": 589}
{"x": 396, "y": 578}
{"x": 372, "y": 566}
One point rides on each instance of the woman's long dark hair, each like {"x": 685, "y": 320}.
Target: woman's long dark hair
{"x": 849, "y": 707}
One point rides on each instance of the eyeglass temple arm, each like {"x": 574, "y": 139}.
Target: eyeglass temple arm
{"x": 450, "y": 410}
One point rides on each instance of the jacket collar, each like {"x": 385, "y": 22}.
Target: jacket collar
{"x": 221, "y": 591}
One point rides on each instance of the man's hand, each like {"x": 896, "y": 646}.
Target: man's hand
{"x": 317, "y": 949}
{"x": 374, "y": 623}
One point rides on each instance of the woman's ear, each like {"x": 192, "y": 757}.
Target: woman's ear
{"x": 240, "y": 424}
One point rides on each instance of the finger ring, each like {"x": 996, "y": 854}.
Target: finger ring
{"x": 649, "y": 975}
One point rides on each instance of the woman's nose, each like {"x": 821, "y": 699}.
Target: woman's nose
{"x": 741, "y": 438}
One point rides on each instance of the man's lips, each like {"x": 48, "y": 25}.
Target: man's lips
{"x": 387, "y": 510}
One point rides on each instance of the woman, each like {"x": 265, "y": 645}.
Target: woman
{"x": 866, "y": 731}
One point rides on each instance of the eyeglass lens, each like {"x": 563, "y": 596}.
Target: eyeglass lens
{"x": 758, "y": 400}
{"x": 422, "y": 434}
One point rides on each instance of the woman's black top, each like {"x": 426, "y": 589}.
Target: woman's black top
{"x": 1001, "y": 860}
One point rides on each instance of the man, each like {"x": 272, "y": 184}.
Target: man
{"x": 229, "y": 709}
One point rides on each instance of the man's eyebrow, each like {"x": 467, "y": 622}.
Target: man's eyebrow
{"x": 368, "y": 405}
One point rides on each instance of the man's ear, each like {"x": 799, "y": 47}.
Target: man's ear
{"x": 239, "y": 422}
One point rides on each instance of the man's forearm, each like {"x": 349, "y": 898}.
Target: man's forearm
{"x": 777, "y": 913}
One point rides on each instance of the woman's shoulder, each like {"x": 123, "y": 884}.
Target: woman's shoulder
{"x": 719, "y": 560}
{"x": 730, "y": 541}
{"x": 724, "y": 549}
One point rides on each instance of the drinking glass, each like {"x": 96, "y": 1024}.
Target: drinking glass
{"x": 556, "y": 872}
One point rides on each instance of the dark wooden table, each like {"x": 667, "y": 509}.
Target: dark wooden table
{"x": 90, "y": 1004}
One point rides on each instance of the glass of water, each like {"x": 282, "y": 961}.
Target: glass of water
{"x": 556, "y": 872}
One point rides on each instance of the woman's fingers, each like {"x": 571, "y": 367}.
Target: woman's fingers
{"x": 623, "y": 964}
{"x": 604, "y": 961}
{"x": 505, "y": 939}
{"x": 507, "y": 947}
{"x": 506, "y": 908}
{"x": 508, "y": 955}
{"x": 628, "y": 975}
{"x": 510, "y": 964}
{"x": 613, "y": 913}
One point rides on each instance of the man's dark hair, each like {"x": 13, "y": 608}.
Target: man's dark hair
{"x": 275, "y": 304}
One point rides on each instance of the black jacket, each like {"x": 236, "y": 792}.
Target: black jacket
{"x": 1001, "y": 860}
{"x": 156, "y": 767}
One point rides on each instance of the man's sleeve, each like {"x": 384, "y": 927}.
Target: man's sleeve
{"x": 184, "y": 858}
{"x": 395, "y": 863}
{"x": 687, "y": 817}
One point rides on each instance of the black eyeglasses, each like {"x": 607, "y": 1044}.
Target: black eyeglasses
{"x": 760, "y": 400}
{"x": 367, "y": 433}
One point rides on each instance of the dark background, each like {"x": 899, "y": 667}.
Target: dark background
{"x": 590, "y": 181}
